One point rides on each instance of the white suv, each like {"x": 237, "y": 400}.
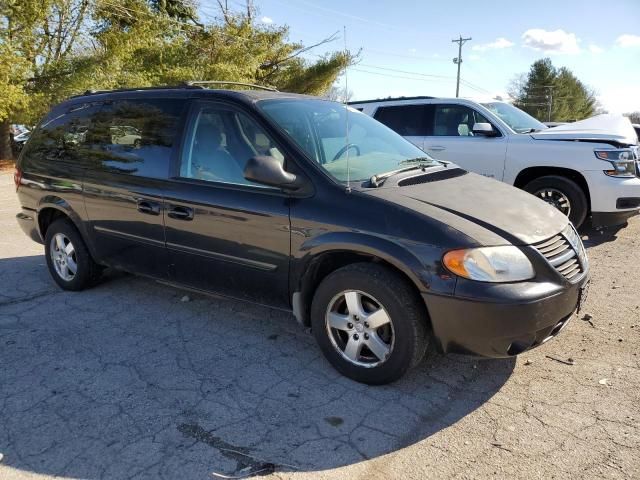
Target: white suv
{"x": 583, "y": 168}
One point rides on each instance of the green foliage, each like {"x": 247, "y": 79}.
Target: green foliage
{"x": 155, "y": 49}
{"x": 552, "y": 94}
{"x": 51, "y": 49}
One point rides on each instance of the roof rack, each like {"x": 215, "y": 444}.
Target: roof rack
{"x": 390, "y": 99}
{"x": 196, "y": 83}
{"x": 132, "y": 89}
{"x": 187, "y": 84}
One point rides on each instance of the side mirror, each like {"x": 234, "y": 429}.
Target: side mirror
{"x": 268, "y": 171}
{"x": 484, "y": 129}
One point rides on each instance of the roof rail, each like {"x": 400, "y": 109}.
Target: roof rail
{"x": 188, "y": 84}
{"x": 390, "y": 99}
{"x": 132, "y": 89}
{"x": 196, "y": 83}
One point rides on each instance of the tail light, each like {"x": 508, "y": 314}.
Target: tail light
{"x": 17, "y": 177}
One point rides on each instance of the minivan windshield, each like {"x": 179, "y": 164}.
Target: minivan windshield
{"x": 519, "y": 121}
{"x": 320, "y": 128}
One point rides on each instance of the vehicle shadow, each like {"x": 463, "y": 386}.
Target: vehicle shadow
{"x": 133, "y": 379}
{"x": 592, "y": 237}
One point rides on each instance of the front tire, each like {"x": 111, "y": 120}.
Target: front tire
{"x": 68, "y": 258}
{"x": 369, "y": 323}
{"x": 563, "y": 194}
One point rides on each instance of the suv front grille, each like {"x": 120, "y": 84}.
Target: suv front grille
{"x": 565, "y": 252}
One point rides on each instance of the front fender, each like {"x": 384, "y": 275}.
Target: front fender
{"x": 419, "y": 262}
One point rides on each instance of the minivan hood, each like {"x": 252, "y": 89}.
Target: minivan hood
{"x": 486, "y": 210}
{"x": 606, "y": 127}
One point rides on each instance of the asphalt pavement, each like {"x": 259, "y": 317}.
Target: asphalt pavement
{"x": 134, "y": 379}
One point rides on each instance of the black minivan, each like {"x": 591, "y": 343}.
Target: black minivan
{"x": 304, "y": 204}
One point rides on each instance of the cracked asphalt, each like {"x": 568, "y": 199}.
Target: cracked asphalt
{"x": 126, "y": 380}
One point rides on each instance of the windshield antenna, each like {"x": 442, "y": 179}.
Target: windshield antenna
{"x": 346, "y": 107}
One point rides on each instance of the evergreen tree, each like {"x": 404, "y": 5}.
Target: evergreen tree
{"x": 552, "y": 94}
{"x": 51, "y": 49}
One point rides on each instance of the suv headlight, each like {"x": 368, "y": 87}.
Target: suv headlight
{"x": 490, "y": 264}
{"x": 622, "y": 160}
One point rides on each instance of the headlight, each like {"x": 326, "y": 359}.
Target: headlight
{"x": 490, "y": 264}
{"x": 622, "y": 160}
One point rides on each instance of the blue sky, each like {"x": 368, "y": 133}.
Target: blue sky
{"x": 599, "y": 41}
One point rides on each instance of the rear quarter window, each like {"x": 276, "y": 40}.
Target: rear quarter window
{"x": 406, "y": 120}
{"x": 61, "y": 138}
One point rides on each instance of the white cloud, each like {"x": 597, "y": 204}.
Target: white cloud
{"x": 474, "y": 57}
{"x": 413, "y": 50}
{"x": 628, "y": 40}
{"x": 556, "y": 41}
{"x": 266, "y": 20}
{"x": 593, "y": 48}
{"x": 499, "y": 43}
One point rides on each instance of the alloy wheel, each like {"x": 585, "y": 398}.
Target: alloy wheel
{"x": 555, "y": 198}
{"x": 63, "y": 255}
{"x": 360, "y": 329}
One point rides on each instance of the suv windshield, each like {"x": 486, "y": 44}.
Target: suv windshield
{"x": 319, "y": 127}
{"x": 519, "y": 121}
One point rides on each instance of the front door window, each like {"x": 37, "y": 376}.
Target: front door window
{"x": 221, "y": 142}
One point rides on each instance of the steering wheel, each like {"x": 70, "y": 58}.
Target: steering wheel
{"x": 344, "y": 149}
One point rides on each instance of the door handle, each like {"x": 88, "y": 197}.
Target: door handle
{"x": 180, "y": 213}
{"x": 437, "y": 148}
{"x": 148, "y": 207}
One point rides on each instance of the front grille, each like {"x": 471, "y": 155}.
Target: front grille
{"x": 565, "y": 253}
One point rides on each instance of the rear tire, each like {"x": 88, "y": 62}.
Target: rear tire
{"x": 68, "y": 258}
{"x": 372, "y": 306}
{"x": 559, "y": 191}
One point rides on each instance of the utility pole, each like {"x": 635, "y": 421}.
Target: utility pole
{"x": 250, "y": 10}
{"x": 550, "y": 88}
{"x": 458, "y": 60}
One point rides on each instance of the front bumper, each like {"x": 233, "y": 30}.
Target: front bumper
{"x": 494, "y": 328}
{"x": 612, "y": 219}
{"x": 609, "y": 195}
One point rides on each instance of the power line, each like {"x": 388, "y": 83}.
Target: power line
{"x": 475, "y": 87}
{"x": 416, "y": 74}
{"x": 331, "y": 13}
{"x": 406, "y": 71}
{"x": 403, "y": 55}
{"x": 400, "y": 76}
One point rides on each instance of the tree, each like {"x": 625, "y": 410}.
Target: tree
{"x": 144, "y": 49}
{"x": 338, "y": 94}
{"x": 634, "y": 117}
{"x": 552, "y": 94}
{"x": 51, "y": 49}
{"x": 36, "y": 39}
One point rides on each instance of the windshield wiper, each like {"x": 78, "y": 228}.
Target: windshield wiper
{"x": 378, "y": 179}
{"x": 423, "y": 160}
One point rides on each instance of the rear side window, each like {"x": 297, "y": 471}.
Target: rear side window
{"x": 136, "y": 136}
{"x": 406, "y": 120}
{"x": 62, "y": 137}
